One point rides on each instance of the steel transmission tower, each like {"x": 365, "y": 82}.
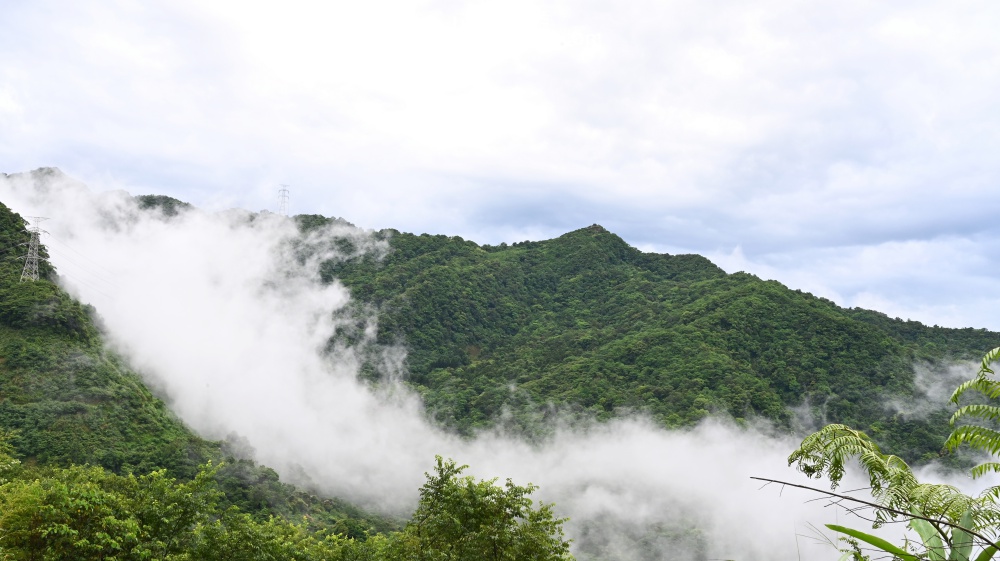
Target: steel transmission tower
{"x": 30, "y": 271}
{"x": 283, "y": 200}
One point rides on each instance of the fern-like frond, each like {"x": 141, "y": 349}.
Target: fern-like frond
{"x": 981, "y": 383}
{"x": 941, "y": 501}
{"x": 986, "y": 386}
{"x": 894, "y": 484}
{"x": 949, "y": 522}
{"x": 981, "y": 411}
{"x": 981, "y": 438}
{"x": 989, "y": 358}
{"x": 826, "y": 451}
{"x": 987, "y": 513}
{"x": 984, "y": 468}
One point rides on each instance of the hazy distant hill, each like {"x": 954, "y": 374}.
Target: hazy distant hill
{"x": 590, "y": 324}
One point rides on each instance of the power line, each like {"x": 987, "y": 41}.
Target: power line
{"x": 88, "y": 284}
{"x": 77, "y": 265}
{"x": 30, "y": 271}
{"x": 90, "y": 266}
{"x": 69, "y": 247}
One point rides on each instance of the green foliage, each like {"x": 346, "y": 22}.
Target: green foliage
{"x": 461, "y": 519}
{"x": 69, "y": 398}
{"x": 582, "y": 323}
{"x": 946, "y": 519}
{"x": 985, "y": 435}
{"x": 236, "y": 535}
{"x": 83, "y": 513}
{"x": 875, "y": 541}
{"x": 826, "y": 451}
{"x": 89, "y": 513}
{"x": 897, "y": 491}
{"x": 86, "y": 424}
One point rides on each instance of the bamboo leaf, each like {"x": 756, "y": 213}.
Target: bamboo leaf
{"x": 875, "y": 541}
{"x": 987, "y": 554}
{"x": 961, "y": 541}
{"x": 930, "y": 537}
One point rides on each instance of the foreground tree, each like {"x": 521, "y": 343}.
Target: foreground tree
{"x": 85, "y": 512}
{"x": 461, "y": 519}
{"x": 88, "y": 513}
{"x": 951, "y": 525}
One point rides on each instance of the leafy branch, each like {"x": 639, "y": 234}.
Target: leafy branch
{"x": 935, "y": 521}
{"x": 945, "y": 518}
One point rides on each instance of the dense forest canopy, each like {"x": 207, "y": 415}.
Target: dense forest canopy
{"x": 593, "y": 326}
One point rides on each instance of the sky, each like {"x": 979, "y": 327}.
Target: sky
{"x": 844, "y": 148}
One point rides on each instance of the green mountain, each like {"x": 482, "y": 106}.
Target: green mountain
{"x": 69, "y": 400}
{"x": 588, "y": 325}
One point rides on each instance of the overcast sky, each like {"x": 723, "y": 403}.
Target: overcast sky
{"x": 851, "y": 149}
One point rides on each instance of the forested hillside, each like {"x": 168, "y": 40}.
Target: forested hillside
{"x": 66, "y": 399}
{"x": 591, "y": 325}
{"x": 70, "y": 399}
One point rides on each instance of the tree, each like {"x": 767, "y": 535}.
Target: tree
{"x": 86, "y": 512}
{"x": 950, "y": 523}
{"x": 461, "y": 519}
{"x": 68, "y": 515}
{"x": 236, "y": 536}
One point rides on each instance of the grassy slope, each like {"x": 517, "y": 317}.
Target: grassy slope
{"x": 588, "y": 323}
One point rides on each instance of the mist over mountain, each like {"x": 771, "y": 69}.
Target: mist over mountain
{"x": 640, "y": 391}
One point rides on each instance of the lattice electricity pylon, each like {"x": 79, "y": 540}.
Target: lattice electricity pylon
{"x": 30, "y": 271}
{"x": 283, "y": 200}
